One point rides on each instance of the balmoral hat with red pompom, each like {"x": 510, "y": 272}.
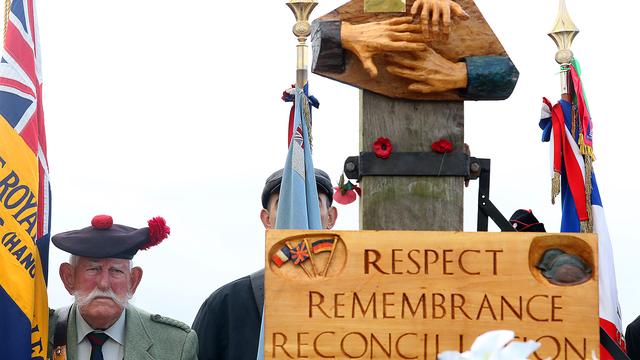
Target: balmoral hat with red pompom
{"x": 104, "y": 239}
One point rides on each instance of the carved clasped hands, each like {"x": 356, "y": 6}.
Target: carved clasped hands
{"x": 405, "y": 45}
{"x": 435, "y": 16}
{"x": 368, "y": 39}
{"x": 430, "y": 71}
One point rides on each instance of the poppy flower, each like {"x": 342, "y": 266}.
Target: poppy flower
{"x": 442, "y": 146}
{"x": 382, "y": 147}
{"x": 345, "y": 193}
{"x": 344, "y": 198}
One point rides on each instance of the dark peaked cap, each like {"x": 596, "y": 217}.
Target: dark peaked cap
{"x": 524, "y": 221}
{"x": 104, "y": 239}
{"x": 272, "y": 185}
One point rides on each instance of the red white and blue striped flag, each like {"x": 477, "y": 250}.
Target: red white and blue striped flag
{"x": 24, "y": 191}
{"x": 567, "y": 126}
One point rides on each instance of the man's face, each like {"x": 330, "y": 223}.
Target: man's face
{"x": 328, "y": 213}
{"x": 101, "y": 287}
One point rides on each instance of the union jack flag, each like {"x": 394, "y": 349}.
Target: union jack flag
{"x": 24, "y": 190}
{"x": 21, "y": 96}
{"x": 300, "y": 253}
{"x": 298, "y": 137}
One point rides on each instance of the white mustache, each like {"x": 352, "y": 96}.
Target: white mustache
{"x": 82, "y": 300}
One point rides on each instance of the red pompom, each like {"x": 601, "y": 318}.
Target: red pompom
{"x": 158, "y": 231}
{"x": 102, "y": 222}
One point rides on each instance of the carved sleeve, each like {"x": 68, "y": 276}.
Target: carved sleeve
{"x": 490, "y": 77}
{"x": 328, "y": 54}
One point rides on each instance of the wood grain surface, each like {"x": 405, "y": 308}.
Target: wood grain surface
{"x": 410, "y": 295}
{"x": 411, "y": 202}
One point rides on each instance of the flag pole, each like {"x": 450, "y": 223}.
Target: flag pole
{"x": 563, "y": 33}
{"x": 302, "y": 29}
{"x": 313, "y": 264}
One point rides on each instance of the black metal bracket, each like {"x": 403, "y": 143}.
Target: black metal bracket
{"x": 486, "y": 209}
{"x": 433, "y": 164}
{"x": 412, "y": 164}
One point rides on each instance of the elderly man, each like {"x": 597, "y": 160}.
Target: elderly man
{"x": 228, "y": 323}
{"x": 101, "y": 325}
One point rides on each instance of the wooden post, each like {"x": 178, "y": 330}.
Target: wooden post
{"x": 411, "y": 202}
{"x": 412, "y": 93}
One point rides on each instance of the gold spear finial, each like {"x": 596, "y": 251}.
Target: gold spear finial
{"x": 302, "y": 29}
{"x": 563, "y": 33}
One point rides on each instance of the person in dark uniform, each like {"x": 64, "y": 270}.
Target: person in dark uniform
{"x": 101, "y": 324}
{"x": 228, "y": 322}
{"x": 632, "y": 339}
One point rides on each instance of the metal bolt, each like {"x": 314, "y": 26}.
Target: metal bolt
{"x": 350, "y": 166}
{"x": 475, "y": 167}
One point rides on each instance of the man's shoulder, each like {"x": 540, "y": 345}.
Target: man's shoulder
{"x": 170, "y": 337}
{"x": 634, "y": 325}
{"x": 159, "y": 322}
{"x": 229, "y": 322}
{"x": 232, "y": 300}
{"x": 230, "y": 292}
{"x": 62, "y": 311}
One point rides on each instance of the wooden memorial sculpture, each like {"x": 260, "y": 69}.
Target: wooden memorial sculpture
{"x": 437, "y": 50}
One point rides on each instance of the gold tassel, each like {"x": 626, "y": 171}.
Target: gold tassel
{"x": 583, "y": 226}
{"x": 583, "y": 147}
{"x": 7, "y": 12}
{"x": 574, "y": 120}
{"x": 306, "y": 111}
{"x": 591, "y": 153}
{"x": 555, "y": 186}
{"x": 588, "y": 189}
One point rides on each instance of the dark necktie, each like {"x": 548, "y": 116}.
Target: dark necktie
{"x": 97, "y": 339}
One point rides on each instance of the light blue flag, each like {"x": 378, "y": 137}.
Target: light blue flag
{"x": 298, "y": 206}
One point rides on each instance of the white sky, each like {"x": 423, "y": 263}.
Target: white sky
{"x": 171, "y": 108}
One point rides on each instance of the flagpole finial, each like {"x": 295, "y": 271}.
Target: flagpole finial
{"x": 563, "y": 33}
{"x": 302, "y": 10}
{"x": 302, "y": 29}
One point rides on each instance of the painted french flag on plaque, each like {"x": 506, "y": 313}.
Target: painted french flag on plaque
{"x": 281, "y": 256}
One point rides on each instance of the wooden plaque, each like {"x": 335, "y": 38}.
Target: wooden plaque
{"x": 411, "y": 295}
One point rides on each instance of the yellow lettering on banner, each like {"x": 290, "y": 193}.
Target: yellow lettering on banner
{"x": 21, "y": 274}
{"x": 18, "y": 181}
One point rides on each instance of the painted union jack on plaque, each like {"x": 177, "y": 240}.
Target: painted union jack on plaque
{"x": 300, "y": 253}
{"x": 24, "y": 191}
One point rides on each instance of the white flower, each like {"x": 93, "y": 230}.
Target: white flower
{"x": 494, "y": 345}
